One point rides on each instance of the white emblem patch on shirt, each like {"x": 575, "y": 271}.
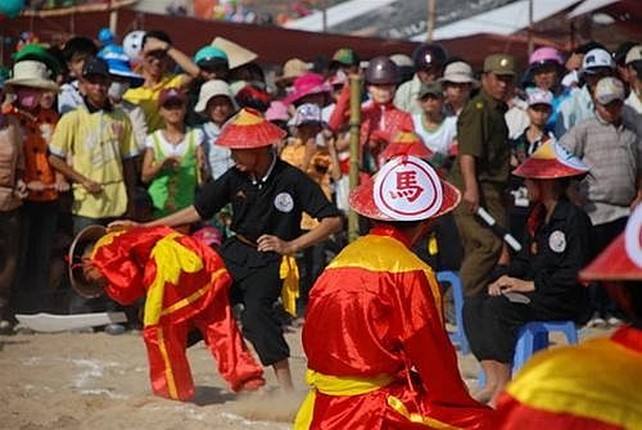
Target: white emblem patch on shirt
{"x": 557, "y": 241}
{"x": 284, "y": 202}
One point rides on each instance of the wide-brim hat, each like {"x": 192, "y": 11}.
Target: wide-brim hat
{"x": 308, "y": 84}
{"x": 82, "y": 286}
{"x": 119, "y": 66}
{"x": 406, "y": 143}
{"x": 236, "y": 54}
{"x": 32, "y": 74}
{"x": 213, "y": 88}
{"x": 248, "y": 129}
{"x": 459, "y": 72}
{"x": 405, "y": 189}
{"x": 551, "y": 160}
{"x": 37, "y": 52}
{"x": 622, "y": 259}
{"x": 292, "y": 69}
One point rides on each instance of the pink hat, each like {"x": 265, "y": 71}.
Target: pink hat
{"x": 277, "y": 111}
{"x": 305, "y": 85}
{"x": 545, "y": 54}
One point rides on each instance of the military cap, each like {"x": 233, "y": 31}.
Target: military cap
{"x": 499, "y": 64}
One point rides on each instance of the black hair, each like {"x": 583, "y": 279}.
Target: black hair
{"x": 619, "y": 55}
{"x": 157, "y": 34}
{"x": 79, "y": 46}
{"x": 586, "y": 47}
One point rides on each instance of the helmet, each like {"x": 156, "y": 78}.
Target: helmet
{"x": 545, "y": 54}
{"x": 133, "y": 44}
{"x": 210, "y": 55}
{"x": 382, "y": 70}
{"x": 595, "y": 59}
{"x": 429, "y": 55}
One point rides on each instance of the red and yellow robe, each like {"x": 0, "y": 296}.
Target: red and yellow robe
{"x": 378, "y": 353}
{"x": 595, "y": 385}
{"x": 186, "y": 286}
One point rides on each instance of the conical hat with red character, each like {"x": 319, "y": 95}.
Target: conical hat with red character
{"x": 622, "y": 259}
{"x": 406, "y": 188}
{"x": 406, "y": 143}
{"x": 550, "y": 161}
{"x": 248, "y": 129}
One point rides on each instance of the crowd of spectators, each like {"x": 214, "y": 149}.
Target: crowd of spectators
{"x": 92, "y": 132}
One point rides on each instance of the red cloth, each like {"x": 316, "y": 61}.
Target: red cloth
{"x": 128, "y": 264}
{"x": 378, "y": 122}
{"x": 376, "y": 310}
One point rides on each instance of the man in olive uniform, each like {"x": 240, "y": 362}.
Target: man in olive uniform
{"x": 481, "y": 171}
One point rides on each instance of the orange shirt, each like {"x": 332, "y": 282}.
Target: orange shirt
{"x": 37, "y": 131}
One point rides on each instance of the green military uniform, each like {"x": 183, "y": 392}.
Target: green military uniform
{"x": 482, "y": 133}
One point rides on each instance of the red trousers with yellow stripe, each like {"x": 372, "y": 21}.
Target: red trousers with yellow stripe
{"x": 166, "y": 350}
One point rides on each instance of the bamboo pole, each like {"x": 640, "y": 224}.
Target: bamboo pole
{"x": 355, "y": 128}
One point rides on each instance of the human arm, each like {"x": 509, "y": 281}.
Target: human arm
{"x": 60, "y": 164}
{"x": 151, "y": 167}
{"x": 325, "y": 228}
{"x": 471, "y": 187}
{"x": 179, "y": 57}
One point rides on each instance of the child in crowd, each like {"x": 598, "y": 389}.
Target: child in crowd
{"x": 174, "y": 158}
{"x": 186, "y": 286}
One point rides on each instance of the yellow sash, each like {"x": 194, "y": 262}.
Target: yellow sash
{"x": 334, "y": 386}
{"x": 289, "y": 272}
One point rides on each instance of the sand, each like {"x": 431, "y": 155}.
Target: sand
{"x": 96, "y": 381}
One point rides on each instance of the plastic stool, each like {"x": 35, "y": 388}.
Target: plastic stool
{"x": 533, "y": 337}
{"x": 459, "y": 336}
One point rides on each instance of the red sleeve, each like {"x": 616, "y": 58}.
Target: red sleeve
{"x": 340, "y": 112}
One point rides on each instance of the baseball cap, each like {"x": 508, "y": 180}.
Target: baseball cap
{"x": 95, "y": 66}
{"x": 346, "y": 57}
{"x": 499, "y": 64}
{"x": 430, "y": 88}
{"x": 595, "y": 59}
{"x": 634, "y": 54}
{"x": 171, "y": 94}
{"x": 608, "y": 90}
{"x": 540, "y": 97}
{"x": 210, "y": 56}
{"x": 307, "y": 113}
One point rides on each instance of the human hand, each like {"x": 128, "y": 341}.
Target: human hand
{"x": 91, "y": 186}
{"x": 471, "y": 197}
{"x": 20, "y": 190}
{"x": 61, "y": 186}
{"x": 36, "y": 186}
{"x": 172, "y": 162}
{"x": 153, "y": 44}
{"x": 268, "y": 242}
{"x": 122, "y": 224}
{"x": 495, "y": 289}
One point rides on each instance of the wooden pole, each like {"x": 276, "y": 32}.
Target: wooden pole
{"x": 530, "y": 27}
{"x": 355, "y": 128}
{"x": 430, "y": 23}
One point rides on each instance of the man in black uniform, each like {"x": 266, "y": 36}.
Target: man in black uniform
{"x": 268, "y": 197}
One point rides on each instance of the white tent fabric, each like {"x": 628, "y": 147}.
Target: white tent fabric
{"x": 589, "y": 6}
{"x": 337, "y": 14}
{"x": 503, "y": 20}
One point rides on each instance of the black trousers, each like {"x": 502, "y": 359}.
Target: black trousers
{"x": 493, "y": 322}
{"x": 257, "y": 288}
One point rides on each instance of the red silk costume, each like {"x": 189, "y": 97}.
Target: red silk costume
{"x": 595, "y": 385}
{"x": 186, "y": 285}
{"x": 378, "y": 354}
{"x": 378, "y": 121}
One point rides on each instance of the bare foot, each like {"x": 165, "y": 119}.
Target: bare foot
{"x": 484, "y": 395}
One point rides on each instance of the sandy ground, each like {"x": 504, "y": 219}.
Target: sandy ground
{"x": 96, "y": 381}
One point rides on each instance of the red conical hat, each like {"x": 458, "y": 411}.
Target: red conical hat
{"x": 622, "y": 259}
{"x": 551, "y": 160}
{"x": 406, "y": 188}
{"x": 406, "y": 143}
{"x": 249, "y": 130}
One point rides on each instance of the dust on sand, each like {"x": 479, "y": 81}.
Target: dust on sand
{"x": 96, "y": 381}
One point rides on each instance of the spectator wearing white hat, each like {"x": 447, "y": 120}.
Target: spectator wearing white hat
{"x": 612, "y": 150}
{"x": 458, "y": 81}
{"x": 633, "y": 63}
{"x": 216, "y": 102}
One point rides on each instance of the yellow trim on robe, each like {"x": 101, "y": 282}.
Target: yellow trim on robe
{"x": 171, "y": 260}
{"x": 432, "y": 423}
{"x": 169, "y": 373}
{"x": 105, "y": 240}
{"x": 584, "y": 388}
{"x": 289, "y": 272}
{"x": 194, "y": 296}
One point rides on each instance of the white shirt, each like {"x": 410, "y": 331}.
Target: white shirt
{"x": 634, "y": 101}
{"x": 178, "y": 150}
{"x": 440, "y": 140}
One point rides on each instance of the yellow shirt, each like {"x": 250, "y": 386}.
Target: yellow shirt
{"x": 95, "y": 144}
{"x": 147, "y": 99}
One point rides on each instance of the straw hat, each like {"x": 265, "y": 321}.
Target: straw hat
{"x": 249, "y": 130}
{"x": 550, "y": 161}
{"x": 406, "y": 143}
{"x": 405, "y": 189}
{"x": 292, "y": 69}
{"x": 87, "y": 236}
{"x": 622, "y": 259}
{"x": 210, "y": 89}
{"x": 33, "y": 74}
{"x": 236, "y": 54}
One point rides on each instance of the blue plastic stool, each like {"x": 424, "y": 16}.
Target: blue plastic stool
{"x": 533, "y": 337}
{"x": 459, "y": 336}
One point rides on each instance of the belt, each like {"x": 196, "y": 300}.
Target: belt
{"x": 244, "y": 240}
